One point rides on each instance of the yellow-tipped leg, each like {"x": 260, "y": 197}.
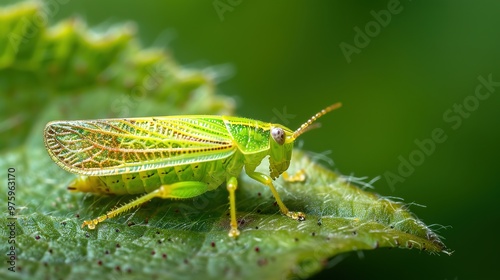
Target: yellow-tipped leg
{"x": 232, "y": 184}
{"x": 118, "y": 210}
{"x": 177, "y": 190}
{"x": 266, "y": 180}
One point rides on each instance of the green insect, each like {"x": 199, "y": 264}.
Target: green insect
{"x": 171, "y": 157}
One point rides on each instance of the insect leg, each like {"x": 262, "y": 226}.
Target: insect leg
{"x": 232, "y": 184}
{"x": 266, "y": 180}
{"x": 178, "y": 190}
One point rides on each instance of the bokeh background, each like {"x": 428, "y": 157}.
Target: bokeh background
{"x": 279, "y": 57}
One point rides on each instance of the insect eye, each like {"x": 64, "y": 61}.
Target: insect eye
{"x": 278, "y": 135}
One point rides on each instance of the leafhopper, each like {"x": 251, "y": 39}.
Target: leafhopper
{"x": 175, "y": 157}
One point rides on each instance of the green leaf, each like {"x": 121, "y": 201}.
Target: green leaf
{"x": 63, "y": 72}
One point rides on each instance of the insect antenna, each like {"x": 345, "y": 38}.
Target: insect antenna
{"x": 309, "y": 124}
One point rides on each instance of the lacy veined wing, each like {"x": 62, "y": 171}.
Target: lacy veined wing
{"x": 117, "y": 146}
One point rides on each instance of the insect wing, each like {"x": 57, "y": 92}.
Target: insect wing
{"x": 117, "y": 146}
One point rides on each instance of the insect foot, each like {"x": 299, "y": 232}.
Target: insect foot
{"x": 234, "y": 232}
{"x": 91, "y": 224}
{"x": 299, "y": 216}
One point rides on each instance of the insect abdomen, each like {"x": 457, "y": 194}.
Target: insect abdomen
{"x": 214, "y": 173}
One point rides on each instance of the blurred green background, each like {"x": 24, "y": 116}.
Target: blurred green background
{"x": 286, "y": 56}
